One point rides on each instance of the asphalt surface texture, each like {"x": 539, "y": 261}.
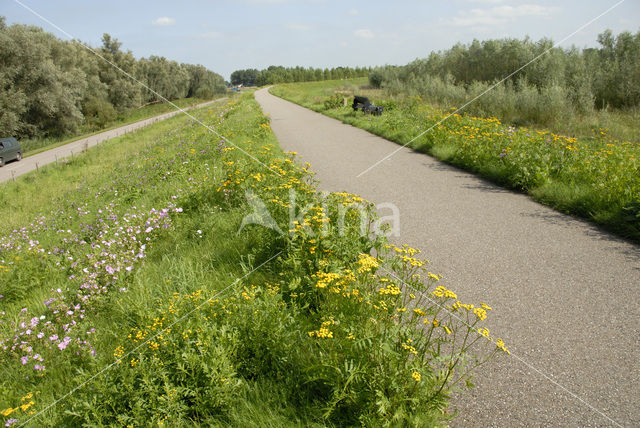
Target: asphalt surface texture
{"x": 14, "y": 169}
{"x": 564, "y": 293}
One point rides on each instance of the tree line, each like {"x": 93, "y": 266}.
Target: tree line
{"x": 579, "y": 80}
{"x": 51, "y": 87}
{"x": 279, "y": 74}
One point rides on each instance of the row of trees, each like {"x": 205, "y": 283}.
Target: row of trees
{"x": 51, "y": 87}
{"x": 595, "y": 77}
{"x": 280, "y": 74}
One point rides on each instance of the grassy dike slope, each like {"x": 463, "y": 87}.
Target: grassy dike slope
{"x": 133, "y": 295}
{"x": 38, "y": 145}
{"x": 596, "y": 178}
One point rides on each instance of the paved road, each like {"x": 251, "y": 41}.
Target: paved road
{"x": 564, "y": 293}
{"x": 15, "y": 169}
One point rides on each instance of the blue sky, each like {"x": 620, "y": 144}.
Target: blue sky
{"x": 226, "y": 35}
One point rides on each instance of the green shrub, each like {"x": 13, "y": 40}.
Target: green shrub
{"x": 335, "y": 101}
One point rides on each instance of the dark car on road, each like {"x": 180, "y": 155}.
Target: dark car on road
{"x": 9, "y": 150}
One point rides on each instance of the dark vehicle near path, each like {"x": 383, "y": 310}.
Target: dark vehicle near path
{"x": 9, "y": 150}
{"x": 363, "y": 103}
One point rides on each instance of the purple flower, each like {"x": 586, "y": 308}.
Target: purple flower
{"x": 10, "y": 422}
{"x": 24, "y": 360}
{"x": 64, "y": 343}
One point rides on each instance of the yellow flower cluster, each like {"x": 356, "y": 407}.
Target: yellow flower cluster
{"x": 441, "y": 291}
{"x": 458, "y": 304}
{"x": 390, "y": 289}
{"x": 367, "y": 263}
{"x": 247, "y": 295}
{"x": 434, "y": 276}
{"x": 272, "y": 289}
{"x": 416, "y": 376}
{"x": 24, "y": 406}
{"x": 349, "y": 198}
{"x": 405, "y": 249}
{"x": 500, "y": 344}
{"x": 408, "y": 347}
{"x": 319, "y": 218}
{"x": 480, "y": 313}
{"x": 435, "y": 322}
{"x": 266, "y": 127}
{"x": 326, "y": 278}
{"x": 323, "y": 332}
{"x": 412, "y": 261}
{"x": 484, "y": 332}
{"x": 338, "y": 283}
{"x": 118, "y": 352}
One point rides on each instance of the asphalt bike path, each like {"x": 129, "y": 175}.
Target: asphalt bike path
{"x": 565, "y": 294}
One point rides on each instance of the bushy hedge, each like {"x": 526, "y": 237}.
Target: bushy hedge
{"x": 556, "y": 85}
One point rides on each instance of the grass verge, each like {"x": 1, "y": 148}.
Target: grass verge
{"x": 174, "y": 280}
{"x": 597, "y": 179}
{"x": 35, "y": 146}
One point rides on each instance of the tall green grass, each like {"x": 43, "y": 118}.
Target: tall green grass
{"x": 552, "y": 107}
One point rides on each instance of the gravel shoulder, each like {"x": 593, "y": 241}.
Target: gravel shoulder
{"x": 564, "y": 293}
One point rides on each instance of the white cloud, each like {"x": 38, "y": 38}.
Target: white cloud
{"x": 363, "y": 33}
{"x": 298, "y": 27}
{"x": 164, "y": 21}
{"x": 353, "y": 12}
{"x": 499, "y": 15}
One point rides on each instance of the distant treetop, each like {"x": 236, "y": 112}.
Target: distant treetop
{"x": 280, "y": 74}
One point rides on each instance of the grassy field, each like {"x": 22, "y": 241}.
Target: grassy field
{"x": 594, "y": 178}
{"x": 134, "y": 291}
{"x": 35, "y": 146}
